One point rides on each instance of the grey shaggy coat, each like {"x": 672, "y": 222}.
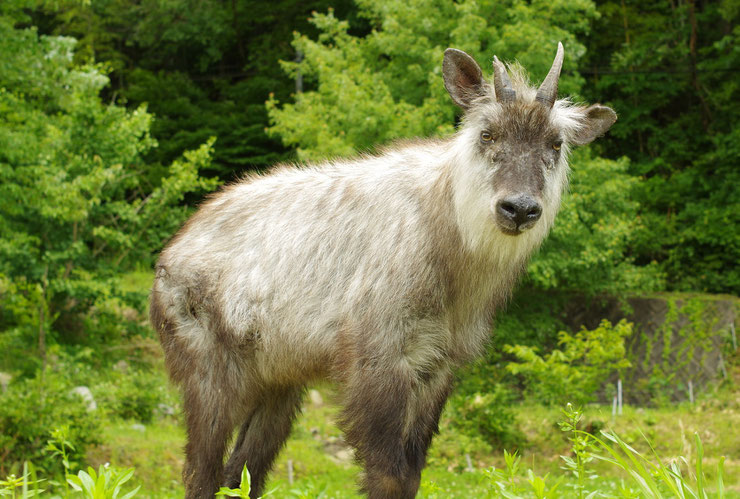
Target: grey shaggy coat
{"x": 380, "y": 273}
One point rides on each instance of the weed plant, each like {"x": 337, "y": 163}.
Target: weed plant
{"x": 644, "y": 474}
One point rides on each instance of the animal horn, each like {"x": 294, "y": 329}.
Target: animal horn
{"x": 548, "y": 91}
{"x": 501, "y": 82}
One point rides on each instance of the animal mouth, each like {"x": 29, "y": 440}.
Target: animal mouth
{"x": 510, "y": 227}
{"x": 510, "y": 232}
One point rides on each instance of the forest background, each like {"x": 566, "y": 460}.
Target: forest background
{"x": 118, "y": 116}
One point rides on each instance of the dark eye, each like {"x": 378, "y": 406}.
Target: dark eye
{"x": 557, "y": 145}
{"x": 486, "y": 137}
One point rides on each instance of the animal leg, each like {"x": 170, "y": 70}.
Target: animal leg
{"x": 429, "y": 401}
{"x": 373, "y": 420}
{"x": 209, "y": 426}
{"x": 262, "y": 436}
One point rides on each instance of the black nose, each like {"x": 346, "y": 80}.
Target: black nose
{"x": 518, "y": 212}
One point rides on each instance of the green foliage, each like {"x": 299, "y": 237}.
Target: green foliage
{"x": 205, "y": 68}
{"x": 652, "y": 477}
{"x": 487, "y": 415}
{"x": 682, "y": 348}
{"x": 28, "y": 483}
{"x": 78, "y": 202}
{"x": 506, "y": 483}
{"x": 29, "y": 409}
{"x": 581, "y": 447}
{"x": 132, "y": 395}
{"x": 387, "y": 85}
{"x": 669, "y": 70}
{"x": 589, "y": 248}
{"x": 311, "y": 490}
{"x": 245, "y": 486}
{"x": 105, "y": 484}
{"x": 577, "y": 371}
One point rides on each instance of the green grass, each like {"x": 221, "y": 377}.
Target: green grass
{"x": 156, "y": 452}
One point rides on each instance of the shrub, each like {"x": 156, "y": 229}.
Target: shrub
{"x": 575, "y": 373}
{"x": 132, "y": 395}
{"x": 29, "y": 410}
{"x": 486, "y": 415}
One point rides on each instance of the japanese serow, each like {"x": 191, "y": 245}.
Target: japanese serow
{"x": 379, "y": 273}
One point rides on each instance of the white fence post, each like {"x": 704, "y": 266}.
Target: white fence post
{"x": 614, "y": 407}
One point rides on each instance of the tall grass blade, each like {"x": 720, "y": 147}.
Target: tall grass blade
{"x": 24, "y": 489}
{"x": 644, "y": 481}
{"x": 720, "y": 479}
{"x": 132, "y": 493}
{"x": 665, "y": 474}
{"x": 699, "y": 472}
{"x": 637, "y": 466}
{"x": 675, "y": 471}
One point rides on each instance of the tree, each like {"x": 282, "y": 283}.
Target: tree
{"x": 387, "y": 85}
{"x": 669, "y": 68}
{"x": 204, "y": 68}
{"x": 78, "y": 203}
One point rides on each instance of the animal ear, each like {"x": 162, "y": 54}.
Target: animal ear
{"x": 463, "y": 77}
{"x": 597, "y": 120}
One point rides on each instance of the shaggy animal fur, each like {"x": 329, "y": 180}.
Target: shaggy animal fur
{"x": 379, "y": 273}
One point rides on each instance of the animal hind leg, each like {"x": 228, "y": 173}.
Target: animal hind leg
{"x": 262, "y": 436}
{"x": 209, "y": 425}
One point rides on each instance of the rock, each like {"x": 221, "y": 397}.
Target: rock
{"x": 166, "y": 410}
{"x": 338, "y": 450}
{"x": 130, "y": 314}
{"x": 5, "y": 381}
{"x": 86, "y": 395}
{"x": 344, "y": 455}
{"x": 315, "y": 398}
{"x": 121, "y": 366}
{"x": 138, "y": 427}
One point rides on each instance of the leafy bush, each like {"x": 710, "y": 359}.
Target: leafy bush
{"x": 589, "y": 249}
{"x": 575, "y": 373}
{"x": 106, "y": 483}
{"x": 29, "y": 409}
{"x": 79, "y": 202}
{"x": 486, "y": 415}
{"x": 133, "y": 395}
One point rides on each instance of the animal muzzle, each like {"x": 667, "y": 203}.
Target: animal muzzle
{"x": 515, "y": 214}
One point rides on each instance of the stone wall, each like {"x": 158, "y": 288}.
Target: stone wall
{"x": 678, "y": 338}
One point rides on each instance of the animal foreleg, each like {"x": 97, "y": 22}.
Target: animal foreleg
{"x": 429, "y": 401}
{"x": 373, "y": 419}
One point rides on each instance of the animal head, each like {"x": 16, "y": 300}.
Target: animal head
{"x": 515, "y": 141}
